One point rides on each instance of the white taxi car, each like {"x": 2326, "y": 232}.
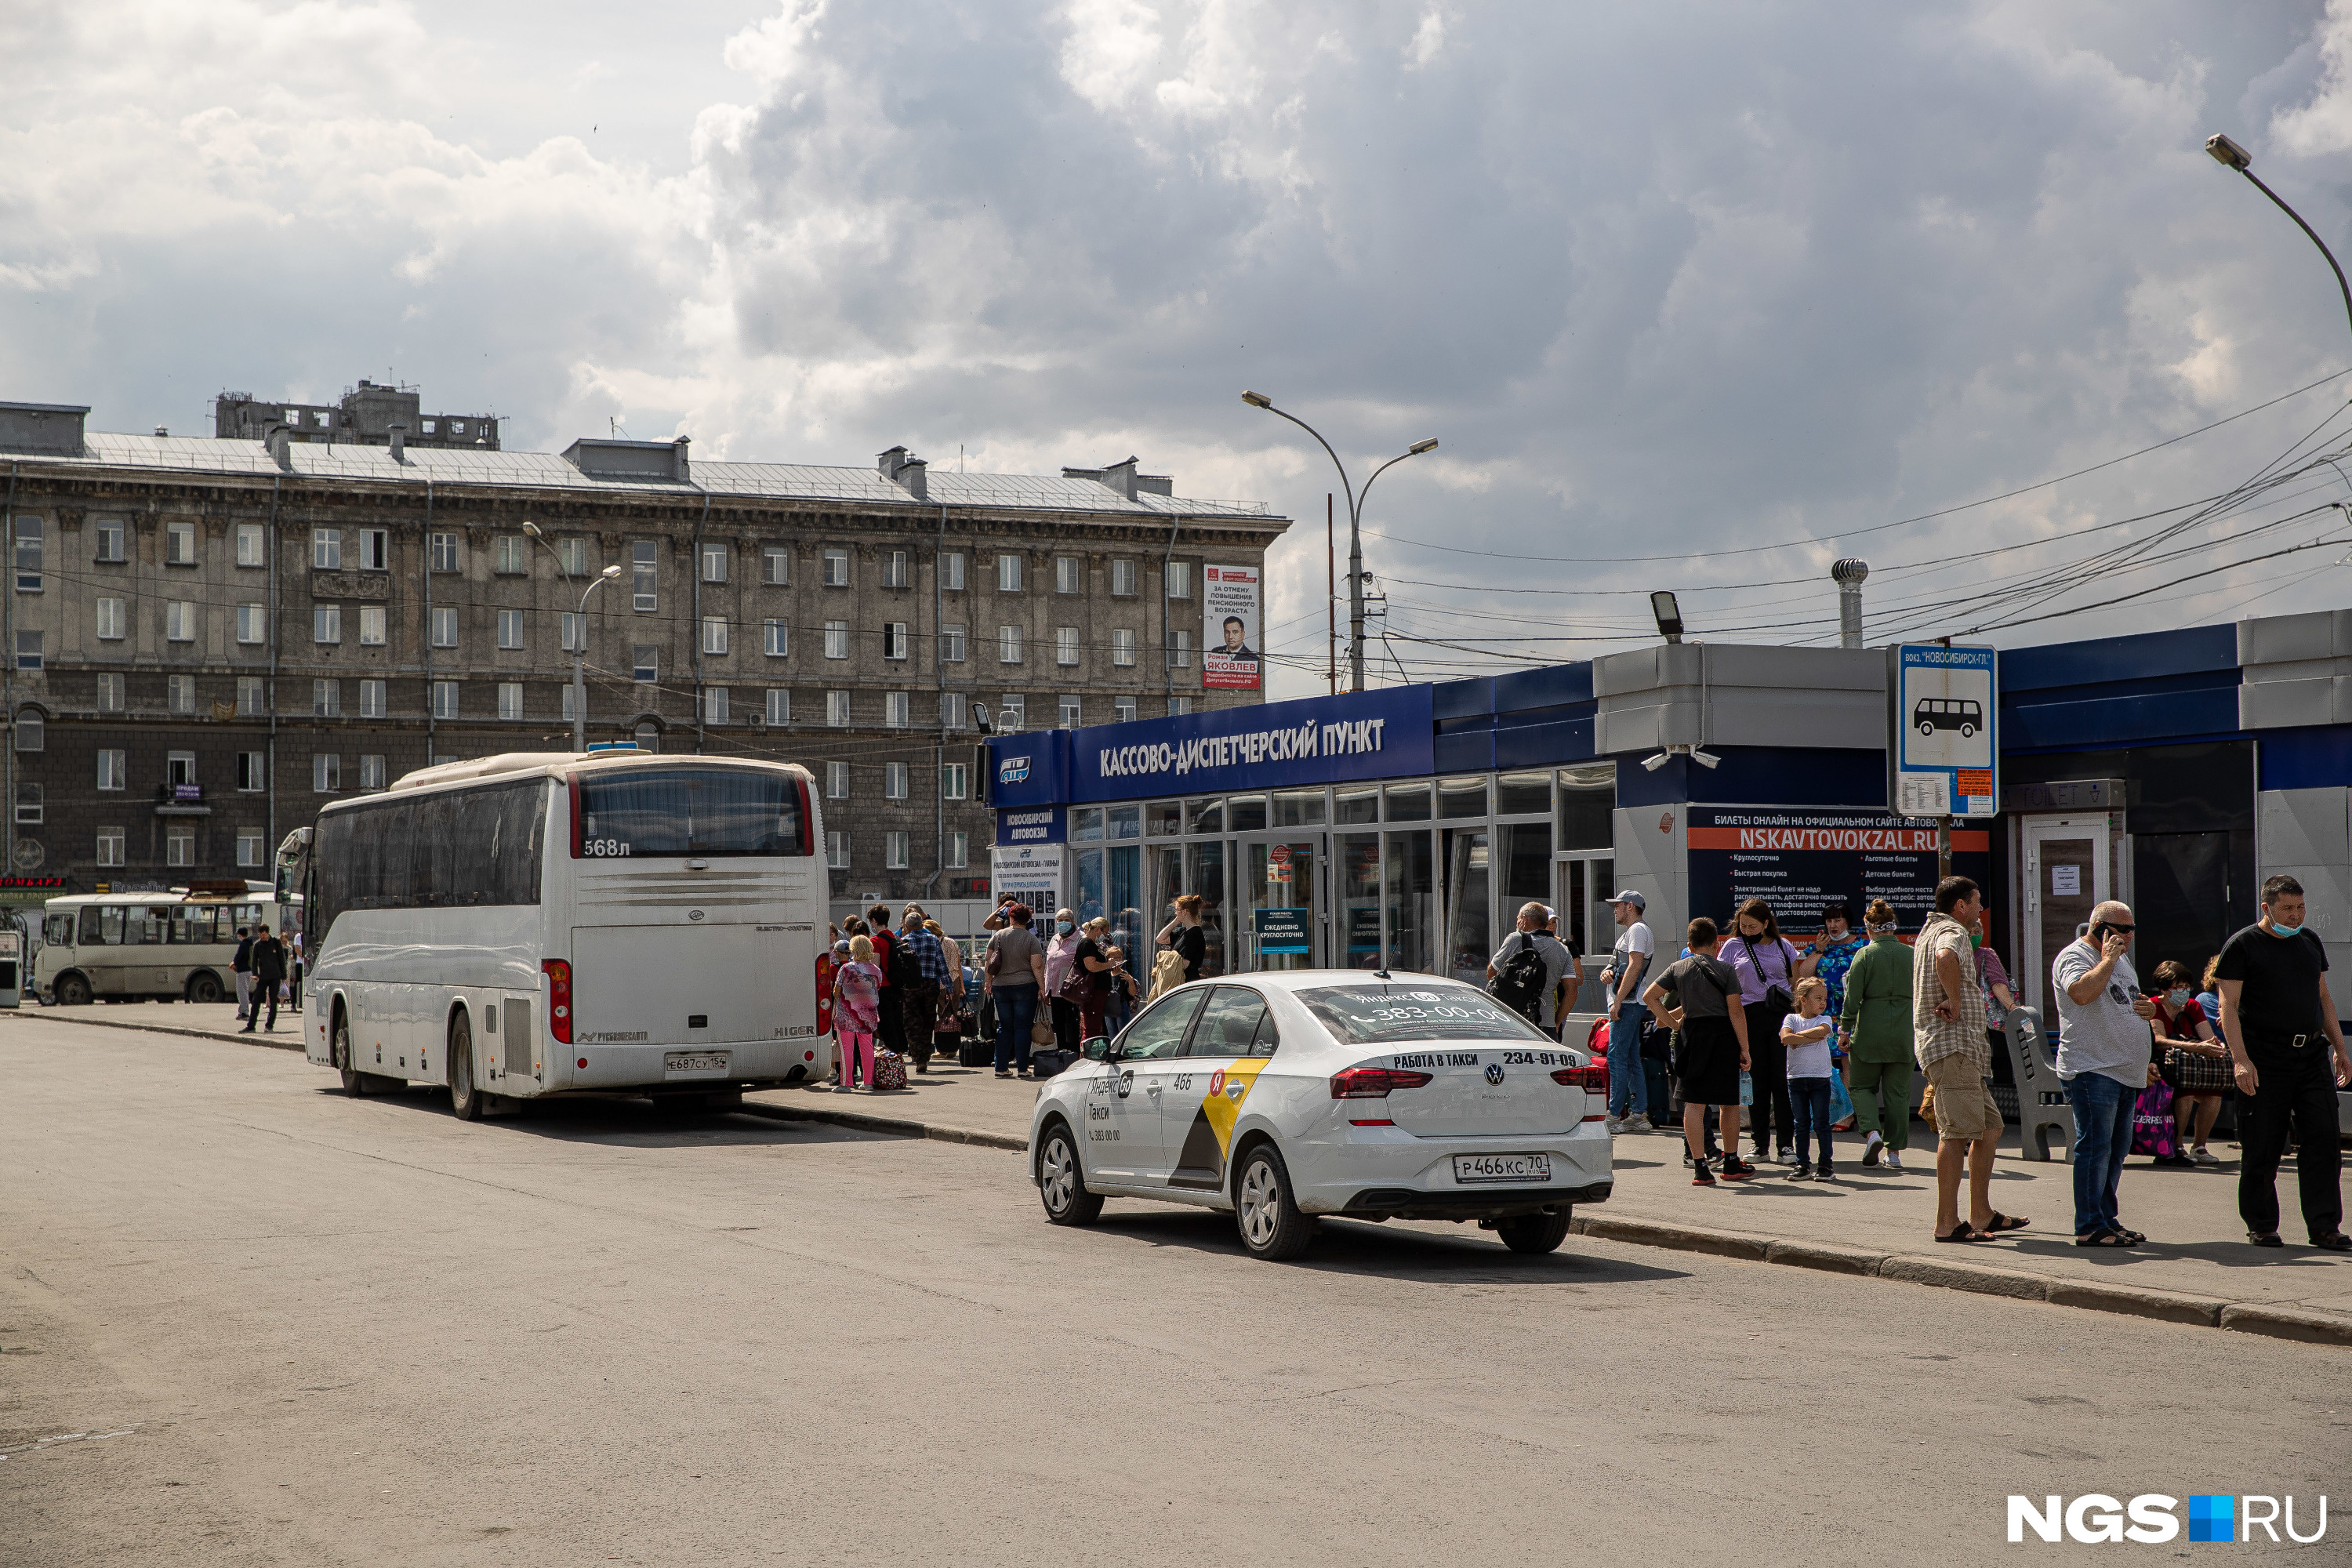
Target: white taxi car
{"x": 1282, "y": 1097}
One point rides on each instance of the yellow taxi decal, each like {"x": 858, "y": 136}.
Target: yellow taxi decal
{"x": 1210, "y": 1138}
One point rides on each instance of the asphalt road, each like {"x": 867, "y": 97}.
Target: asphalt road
{"x": 244, "y": 1320}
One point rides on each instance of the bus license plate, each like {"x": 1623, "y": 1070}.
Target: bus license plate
{"x": 694, "y": 1061}
{"x": 1502, "y": 1167}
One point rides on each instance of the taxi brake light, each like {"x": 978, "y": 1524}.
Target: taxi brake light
{"x": 1373, "y": 1083}
{"x": 1591, "y": 1080}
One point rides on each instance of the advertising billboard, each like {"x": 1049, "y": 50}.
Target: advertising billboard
{"x": 1233, "y": 630}
{"x": 1799, "y": 860}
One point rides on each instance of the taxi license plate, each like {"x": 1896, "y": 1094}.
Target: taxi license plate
{"x": 694, "y": 1061}
{"x": 1502, "y": 1167}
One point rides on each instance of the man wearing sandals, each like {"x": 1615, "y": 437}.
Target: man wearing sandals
{"x": 1947, "y": 1027}
{"x": 2106, "y": 1057}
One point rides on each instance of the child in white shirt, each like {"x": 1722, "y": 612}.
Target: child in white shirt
{"x": 1807, "y": 1033}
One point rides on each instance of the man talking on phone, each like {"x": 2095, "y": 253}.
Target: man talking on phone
{"x": 2106, "y": 1057}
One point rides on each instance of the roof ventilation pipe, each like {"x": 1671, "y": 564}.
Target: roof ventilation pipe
{"x": 399, "y": 434}
{"x": 1847, "y": 575}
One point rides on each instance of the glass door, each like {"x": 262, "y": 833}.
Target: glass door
{"x": 1284, "y": 926}
{"x": 2066, "y": 876}
{"x": 1580, "y": 890}
{"x": 1356, "y": 900}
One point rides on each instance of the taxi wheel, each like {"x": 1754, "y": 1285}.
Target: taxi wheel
{"x": 1534, "y": 1232}
{"x": 1263, "y": 1212}
{"x": 1061, "y": 1184}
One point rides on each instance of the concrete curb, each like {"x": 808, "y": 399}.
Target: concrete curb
{"x": 1965, "y": 1277}
{"x": 895, "y": 1126}
{"x": 2286, "y": 1324}
{"x": 102, "y": 1020}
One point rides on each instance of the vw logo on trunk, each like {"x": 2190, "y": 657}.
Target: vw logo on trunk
{"x": 1494, "y": 1072}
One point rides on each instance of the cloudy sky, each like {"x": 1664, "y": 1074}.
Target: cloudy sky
{"x": 1694, "y": 295}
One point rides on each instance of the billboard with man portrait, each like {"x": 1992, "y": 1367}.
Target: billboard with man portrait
{"x": 1232, "y": 657}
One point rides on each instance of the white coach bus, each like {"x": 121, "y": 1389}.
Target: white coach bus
{"x": 546, "y": 923}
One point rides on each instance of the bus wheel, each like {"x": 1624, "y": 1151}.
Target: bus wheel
{"x": 465, "y": 1099}
{"x": 204, "y": 987}
{"x": 339, "y": 1051}
{"x": 73, "y": 991}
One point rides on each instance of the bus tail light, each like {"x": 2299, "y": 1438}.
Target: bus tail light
{"x": 559, "y": 998}
{"x": 1373, "y": 1083}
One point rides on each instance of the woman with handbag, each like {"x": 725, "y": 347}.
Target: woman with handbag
{"x": 1090, "y": 978}
{"x": 1012, "y": 972}
{"x": 2195, "y": 1062}
{"x": 1061, "y": 955}
{"x": 1766, "y": 962}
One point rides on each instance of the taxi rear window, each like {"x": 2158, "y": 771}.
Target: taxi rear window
{"x": 1381, "y": 1015}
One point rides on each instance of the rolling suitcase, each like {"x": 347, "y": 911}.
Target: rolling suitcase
{"x": 974, "y": 1052}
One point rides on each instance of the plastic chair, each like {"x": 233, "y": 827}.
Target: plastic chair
{"x": 2041, "y": 1101}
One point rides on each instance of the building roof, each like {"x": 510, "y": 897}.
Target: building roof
{"x": 546, "y": 470}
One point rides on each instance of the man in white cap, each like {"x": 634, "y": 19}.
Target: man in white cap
{"x": 1629, "y": 961}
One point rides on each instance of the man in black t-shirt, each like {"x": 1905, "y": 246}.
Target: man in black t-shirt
{"x": 2283, "y": 1033}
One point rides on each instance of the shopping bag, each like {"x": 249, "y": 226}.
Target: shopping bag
{"x": 2154, "y": 1132}
{"x": 889, "y": 1071}
{"x": 1746, "y": 1088}
{"x": 1840, "y": 1100}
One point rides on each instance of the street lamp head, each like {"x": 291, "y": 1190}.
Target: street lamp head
{"x": 1418, "y": 448}
{"x": 530, "y": 528}
{"x": 1257, "y": 400}
{"x": 2227, "y": 151}
{"x": 609, "y": 572}
{"x": 1669, "y": 614}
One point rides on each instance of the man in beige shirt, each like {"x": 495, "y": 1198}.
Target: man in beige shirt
{"x": 1947, "y": 1032}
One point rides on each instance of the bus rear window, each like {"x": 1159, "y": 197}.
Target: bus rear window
{"x": 679, "y": 811}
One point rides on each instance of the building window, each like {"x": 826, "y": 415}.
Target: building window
{"x": 512, "y": 557}
{"x": 327, "y": 699}
{"x": 1122, "y": 579}
{"x": 643, "y": 559}
{"x": 252, "y": 696}
{"x": 326, "y": 773}
{"x": 1008, "y": 645}
{"x": 836, "y": 707}
{"x": 375, "y": 549}
{"x": 444, "y": 551}
{"x": 894, "y": 569}
{"x": 951, "y": 571}
{"x": 28, "y": 805}
{"x": 836, "y": 851}
{"x": 959, "y": 851}
{"x": 837, "y": 639}
{"x": 951, "y": 709}
{"x": 327, "y": 622}
{"x": 714, "y": 705}
{"x": 110, "y": 541}
{"x": 1066, "y": 645}
{"x": 574, "y": 632}
{"x": 110, "y": 694}
{"x": 371, "y": 698}
{"x": 29, "y": 531}
{"x": 250, "y": 551}
{"x": 571, "y": 557}
{"x": 444, "y": 626}
{"x": 714, "y": 634}
{"x": 509, "y": 700}
{"x": 780, "y": 706}
{"x": 1123, "y": 710}
{"x": 776, "y": 565}
{"x": 893, "y": 639}
{"x": 252, "y": 771}
{"x": 894, "y": 709}
{"x": 954, "y": 781}
{"x": 445, "y": 699}
{"x": 894, "y": 780}
{"x": 371, "y": 626}
{"x": 249, "y": 847}
{"x": 180, "y": 621}
{"x": 570, "y": 703}
{"x": 836, "y": 780}
{"x": 714, "y": 562}
{"x": 111, "y": 620}
{"x": 371, "y": 771}
{"x": 1179, "y": 706}
{"x": 647, "y": 736}
{"x": 950, "y": 645}
{"x": 179, "y": 844}
{"x": 1122, "y": 647}
{"x": 1008, "y": 573}
{"x": 178, "y": 544}
{"x": 510, "y": 628}
{"x": 181, "y": 689}
{"x": 179, "y": 767}
{"x": 325, "y": 550}
{"x": 779, "y": 639}
{"x": 1180, "y": 650}
{"x": 894, "y": 851}
{"x": 110, "y": 846}
{"x": 28, "y": 650}
{"x": 1069, "y": 574}
{"x": 1067, "y": 712}
{"x": 1014, "y": 713}
{"x": 1180, "y": 579}
{"x": 836, "y": 568}
{"x": 252, "y": 623}
{"x": 645, "y": 665}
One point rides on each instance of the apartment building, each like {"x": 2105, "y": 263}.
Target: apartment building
{"x": 208, "y": 638}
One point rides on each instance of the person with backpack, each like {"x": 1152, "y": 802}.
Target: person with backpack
{"x": 1715, "y": 1048}
{"x": 1766, "y": 962}
{"x": 919, "y": 974}
{"x": 1526, "y": 971}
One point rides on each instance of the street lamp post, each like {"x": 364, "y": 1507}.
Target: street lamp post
{"x": 579, "y": 648}
{"x": 2231, "y": 156}
{"x": 1355, "y": 534}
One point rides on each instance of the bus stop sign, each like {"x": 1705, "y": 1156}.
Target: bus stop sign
{"x": 1943, "y": 758}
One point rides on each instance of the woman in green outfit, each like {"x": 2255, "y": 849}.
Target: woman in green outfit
{"x": 1876, "y": 1029}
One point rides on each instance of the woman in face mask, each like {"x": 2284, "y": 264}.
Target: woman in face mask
{"x": 2195, "y": 1063}
{"x": 1061, "y": 953}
